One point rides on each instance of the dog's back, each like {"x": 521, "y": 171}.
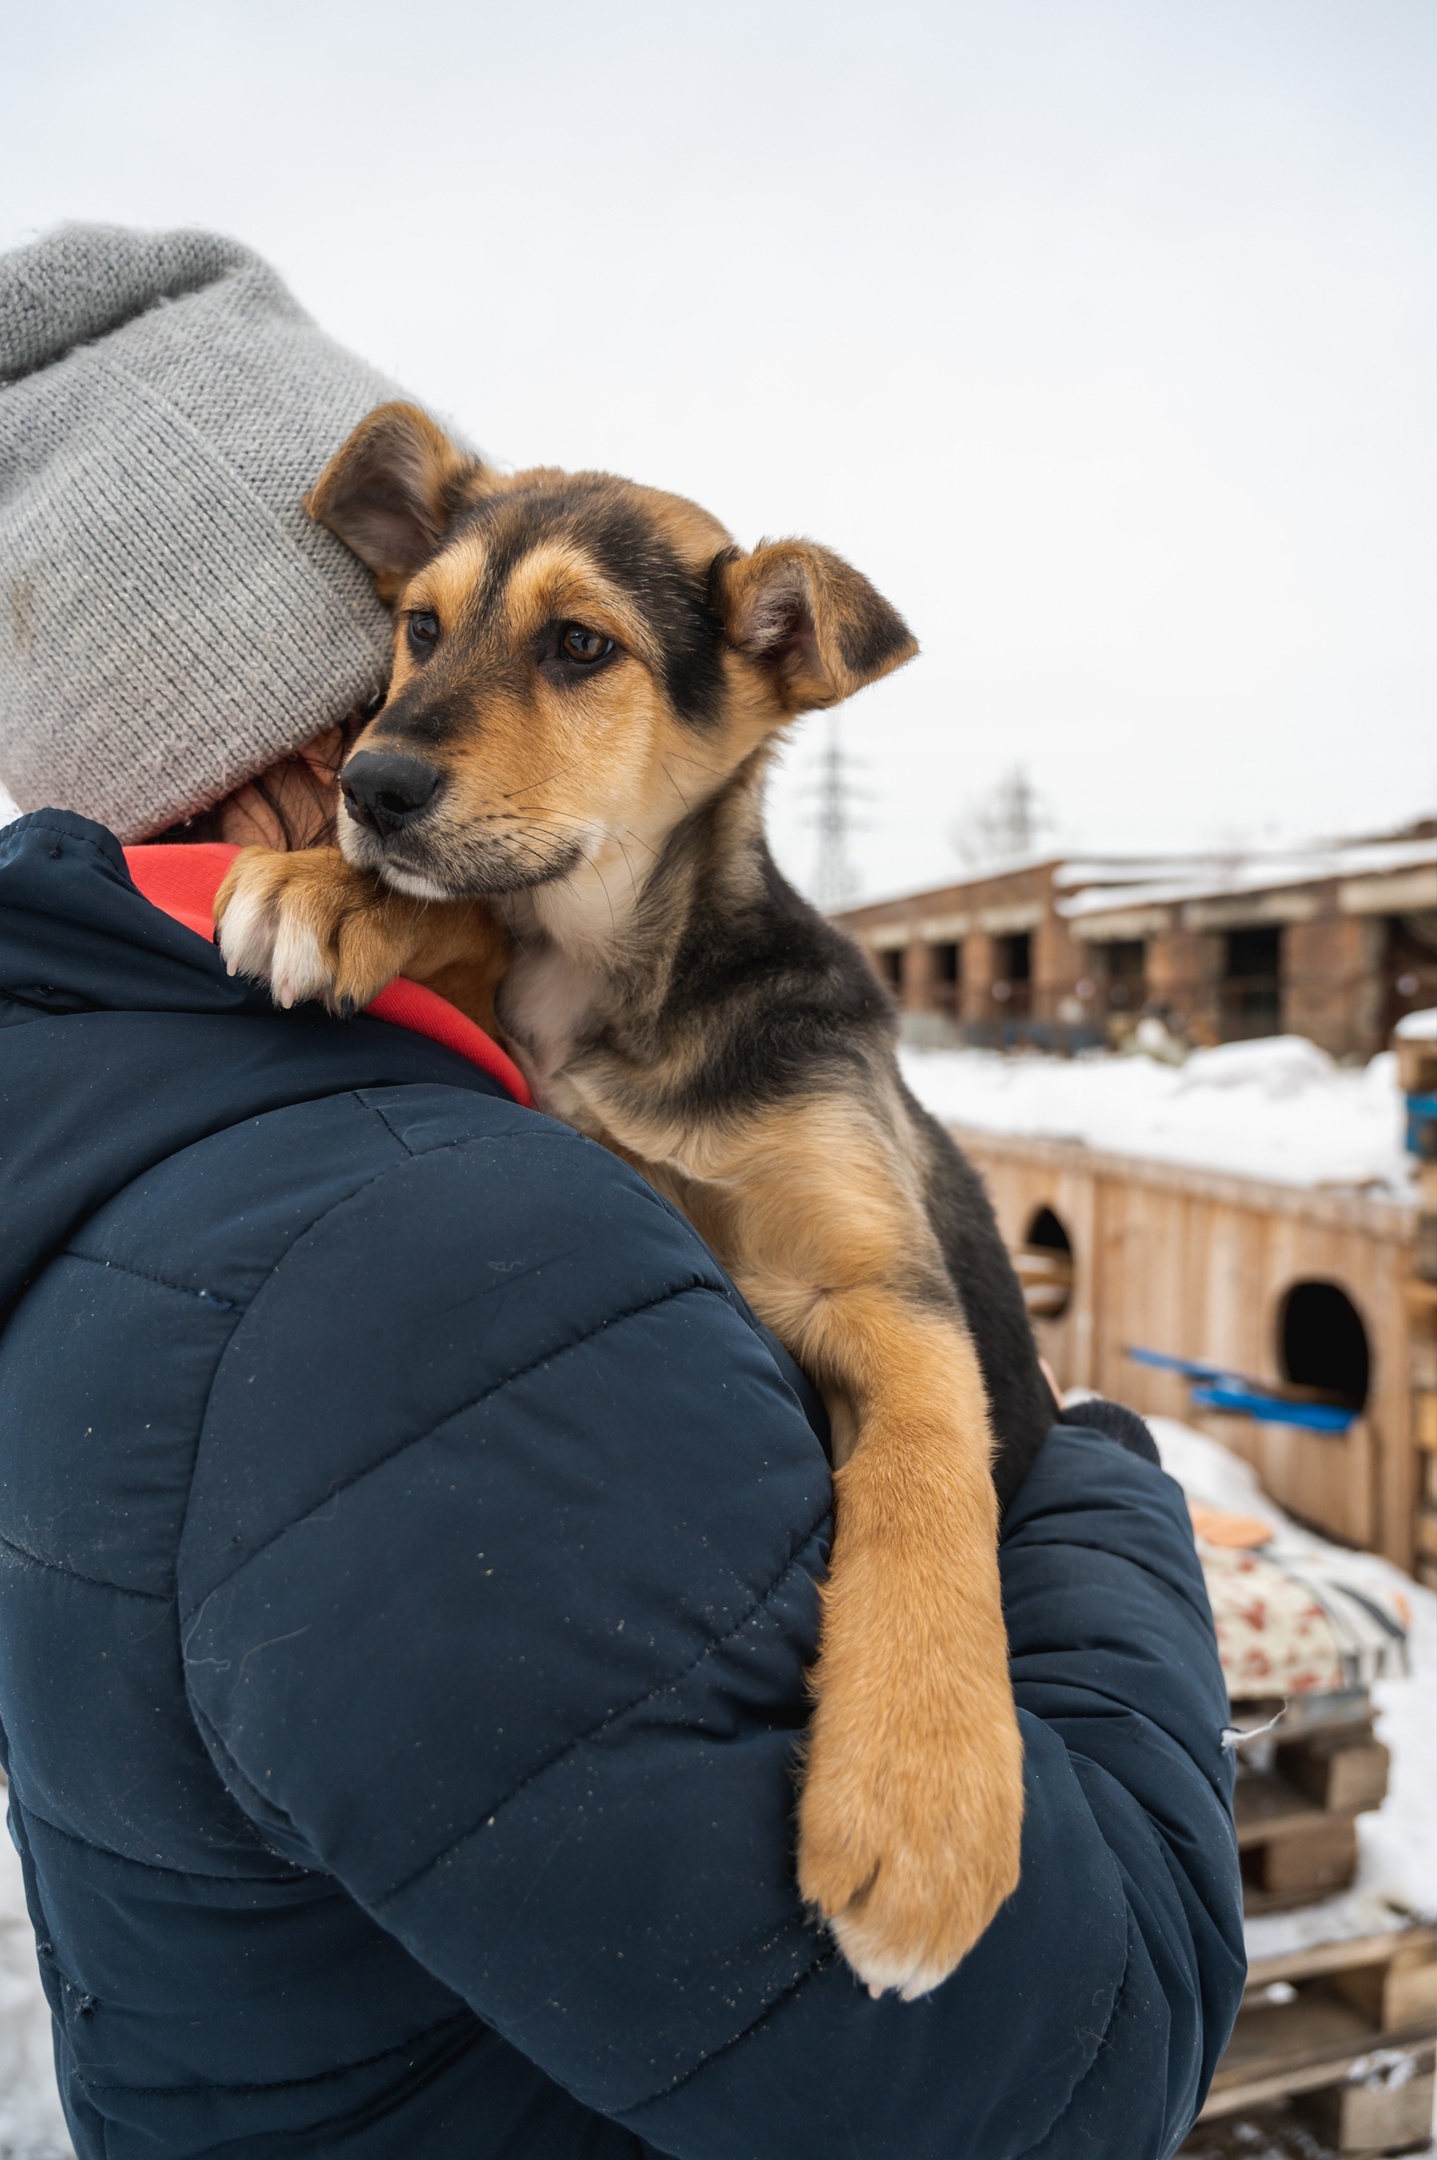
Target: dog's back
{"x": 769, "y": 1000}
{"x": 1020, "y": 1400}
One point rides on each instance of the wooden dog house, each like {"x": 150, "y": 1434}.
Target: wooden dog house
{"x": 1292, "y": 1286}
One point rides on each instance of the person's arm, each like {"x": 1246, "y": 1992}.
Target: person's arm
{"x": 514, "y": 1646}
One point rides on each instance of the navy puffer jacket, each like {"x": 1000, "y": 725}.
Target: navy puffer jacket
{"x": 408, "y": 1564}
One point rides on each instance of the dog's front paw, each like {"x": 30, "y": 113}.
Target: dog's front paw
{"x": 308, "y": 924}
{"x": 911, "y": 1814}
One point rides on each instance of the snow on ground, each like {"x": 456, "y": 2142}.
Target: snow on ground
{"x": 1279, "y": 1109}
{"x": 31, "y": 2124}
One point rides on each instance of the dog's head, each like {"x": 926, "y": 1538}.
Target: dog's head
{"x": 578, "y": 661}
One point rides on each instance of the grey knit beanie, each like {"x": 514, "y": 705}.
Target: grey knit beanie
{"x": 170, "y": 620}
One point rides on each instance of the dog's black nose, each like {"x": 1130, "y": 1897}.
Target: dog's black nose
{"x": 386, "y": 790}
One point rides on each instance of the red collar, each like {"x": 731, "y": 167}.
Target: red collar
{"x": 182, "y": 882}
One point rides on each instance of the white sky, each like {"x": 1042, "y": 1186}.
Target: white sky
{"x": 1099, "y": 333}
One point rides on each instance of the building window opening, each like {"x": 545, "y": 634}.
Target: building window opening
{"x": 1045, "y": 1267}
{"x": 946, "y": 976}
{"x": 890, "y": 967}
{"x": 1013, "y": 974}
{"x": 1322, "y": 1345}
{"x": 1409, "y": 973}
{"x": 1124, "y": 966}
{"x": 1251, "y": 983}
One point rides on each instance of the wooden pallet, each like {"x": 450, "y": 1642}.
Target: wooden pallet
{"x": 1297, "y": 1821}
{"x": 1284, "y": 2130}
{"x": 1347, "y": 2030}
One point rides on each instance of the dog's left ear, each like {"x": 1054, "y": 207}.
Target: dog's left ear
{"x": 392, "y": 490}
{"x": 807, "y": 617}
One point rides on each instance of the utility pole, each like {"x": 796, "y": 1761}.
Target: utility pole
{"x": 835, "y": 881}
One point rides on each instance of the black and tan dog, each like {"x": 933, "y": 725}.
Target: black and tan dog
{"x": 562, "y": 798}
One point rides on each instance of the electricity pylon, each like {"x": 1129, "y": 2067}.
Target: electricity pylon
{"x": 836, "y": 883}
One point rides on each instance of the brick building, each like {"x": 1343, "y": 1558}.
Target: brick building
{"x": 1060, "y": 953}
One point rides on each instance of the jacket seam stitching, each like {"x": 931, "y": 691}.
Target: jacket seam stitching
{"x": 440, "y": 1147}
{"x": 398, "y": 1137}
{"x": 96, "y": 1582}
{"x": 241, "y": 1307}
{"x": 825, "y": 1959}
{"x": 610, "y": 1718}
{"x": 509, "y": 1379}
{"x": 161, "y": 1282}
{"x": 242, "y": 1790}
{"x": 40, "y": 822}
{"x": 320, "y": 2077}
{"x": 1092, "y": 2063}
{"x": 1108, "y": 1710}
{"x": 158, "y": 1867}
{"x": 1183, "y": 1592}
{"x": 389, "y": 1170}
{"x": 299, "y": 1238}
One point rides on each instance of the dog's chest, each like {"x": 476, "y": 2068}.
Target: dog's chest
{"x": 547, "y": 1007}
{"x": 543, "y": 1005}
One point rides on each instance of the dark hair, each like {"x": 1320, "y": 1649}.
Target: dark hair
{"x": 307, "y": 816}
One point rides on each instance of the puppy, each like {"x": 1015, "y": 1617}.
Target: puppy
{"x": 562, "y": 797}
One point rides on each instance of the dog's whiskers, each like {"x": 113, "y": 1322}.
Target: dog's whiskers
{"x": 525, "y": 785}
{"x": 673, "y": 783}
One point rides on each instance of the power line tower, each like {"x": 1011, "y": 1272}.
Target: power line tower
{"x": 1010, "y": 818}
{"x": 835, "y": 881}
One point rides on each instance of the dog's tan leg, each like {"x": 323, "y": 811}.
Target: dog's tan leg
{"x": 314, "y": 927}
{"x": 912, "y": 1803}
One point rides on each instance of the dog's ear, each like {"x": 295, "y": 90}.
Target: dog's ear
{"x": 807, "y": 617}
{"x": 392, "y": 490}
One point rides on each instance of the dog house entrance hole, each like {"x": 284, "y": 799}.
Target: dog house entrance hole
{"x": 1045, "y": 1267}
{"x": 1322, "y": 1343}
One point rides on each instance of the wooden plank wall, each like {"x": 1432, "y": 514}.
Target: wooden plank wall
{"x": 1197, "y": 1263}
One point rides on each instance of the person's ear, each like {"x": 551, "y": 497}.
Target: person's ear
{"x": 805, "y": 616}
{"x": 392, "y": 490}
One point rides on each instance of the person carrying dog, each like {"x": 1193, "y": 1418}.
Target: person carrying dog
{"x": 410, "y": 1546}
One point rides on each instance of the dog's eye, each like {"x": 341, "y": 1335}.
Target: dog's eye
{"x": 585, "y": 646}
{"x": 423, "y": 629}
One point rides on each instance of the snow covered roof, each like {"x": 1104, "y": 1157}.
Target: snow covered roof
{"x": 1252, "y": 874}
{"x": 1093, "y": 885}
